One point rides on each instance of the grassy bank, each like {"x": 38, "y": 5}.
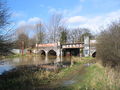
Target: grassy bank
{"x": 83, "y": 60}
{"x": 96, "y": 77}
{"x": 101, "y": 78}
{"x": 12, "y": 56}
{"x": 16, "y": 55}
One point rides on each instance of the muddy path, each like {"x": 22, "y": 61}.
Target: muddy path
{"x": 73, "y": 77}
{"x": 68, "y": 81}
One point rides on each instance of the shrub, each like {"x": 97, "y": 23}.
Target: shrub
{"x": 108, "y": 45}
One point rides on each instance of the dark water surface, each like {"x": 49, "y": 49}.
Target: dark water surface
{"x": 11, "y": 63}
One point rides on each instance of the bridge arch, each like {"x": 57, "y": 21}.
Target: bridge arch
{"x": 94, "y": 54}
{"x": 42, "y": 52}
{"x": 52, "y": 53}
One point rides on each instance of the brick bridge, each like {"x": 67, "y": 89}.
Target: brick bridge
{"x": 48, "y": 49}
{"x": 87, "y": 48}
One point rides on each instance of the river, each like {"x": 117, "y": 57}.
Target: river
{"x": 11, "y": 63}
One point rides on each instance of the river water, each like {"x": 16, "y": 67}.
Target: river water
{"x": 10, "y": 63}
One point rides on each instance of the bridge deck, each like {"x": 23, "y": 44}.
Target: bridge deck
{"x": 73, "y": 45}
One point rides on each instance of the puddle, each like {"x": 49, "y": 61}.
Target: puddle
{"x": 4, "y": 68}
{"x": 69, "y": 82}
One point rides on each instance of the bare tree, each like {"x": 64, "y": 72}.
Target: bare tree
{"x": 5, "y": 43}
{"x": 4, "y": 15}
{"x": 75, "y": 34}
{"x": 86, "y": 32}
{"x": 22, "y": 38}
{"x": 32, "y": 42}
{"x": 54, "y": 26}
{"x": 40, "y": 33}
{"x": 63, "y": 35}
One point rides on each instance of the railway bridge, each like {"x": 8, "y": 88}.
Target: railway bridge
{"x": 60, "y": 49}
{"x": 86, "y": 48}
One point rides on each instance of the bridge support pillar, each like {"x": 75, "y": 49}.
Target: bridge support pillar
{"x": 46, "y": 57}
{"x": 81, "y": 52}
{"x": 58, "y": 52}
{"x": 46, "y": 53}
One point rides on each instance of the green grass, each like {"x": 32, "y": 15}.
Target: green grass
{"x": 16, "y": 55}
{"x": 95, "y": 77}
{"x": 87, "y": 58}
{"x": 104, "y": 78}
{"x": 12, "y": 56}
{"x": 98, "y": 78}
{"x": 83, "y": 60}
{"x": 91, "y": 78}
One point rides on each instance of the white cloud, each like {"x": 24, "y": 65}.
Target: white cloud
{"x": 27, "y": 26}
{"x": 94, "y": 23}
{"x": 34, "y": 20}
{"x": 29, "y": 22}
{"x": 77, "y": 19}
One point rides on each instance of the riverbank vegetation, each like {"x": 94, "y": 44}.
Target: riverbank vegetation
{"x": 108, "y": 45}
{"x": 25, "y": 78}
{"x": 12, "y": 56}
{"x": 97, "y": 77}
{"x": 101, "y": 78}
{"x": 108, "y": 55}
{"x": 84, "y": 74}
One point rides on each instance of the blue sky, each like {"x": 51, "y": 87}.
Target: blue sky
{"x": 91, "y": 14}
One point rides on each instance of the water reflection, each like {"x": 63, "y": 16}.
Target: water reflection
{"x": 8, "y": 64}
{"x": 4, "y": 68}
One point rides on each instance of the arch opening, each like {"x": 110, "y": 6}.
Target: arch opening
{"x": 42, "y": 52}
{"x": 52, "y": 53}
{"x": 94, "y": 54}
